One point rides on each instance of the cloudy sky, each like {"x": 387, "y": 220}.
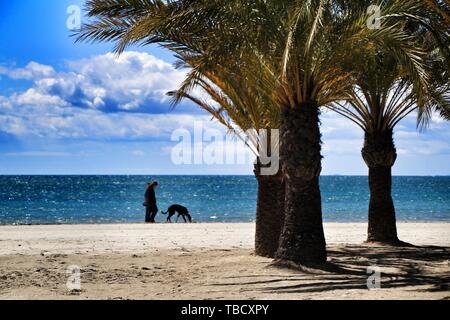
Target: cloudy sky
{"x": 70, "y": 108}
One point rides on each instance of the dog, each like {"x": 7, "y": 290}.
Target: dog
{"x": 182, "y": 212}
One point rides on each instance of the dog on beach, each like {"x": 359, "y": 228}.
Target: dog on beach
{"x": 182, "y": 212}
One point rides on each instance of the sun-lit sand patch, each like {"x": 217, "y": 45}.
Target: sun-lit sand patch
{"x": 215, "y": 261}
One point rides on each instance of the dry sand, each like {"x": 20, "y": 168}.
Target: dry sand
{"x": 214, "y": 261}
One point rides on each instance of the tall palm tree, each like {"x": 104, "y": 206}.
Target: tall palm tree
{"x": 302, "y": 46}
{"x": 314, "y": 45}
{"x": 387, "y": 90}
{"x": 299, "y": 78}
{"x": 237, "y": 106}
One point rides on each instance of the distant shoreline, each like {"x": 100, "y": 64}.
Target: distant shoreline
{"x": 204, "y": 223}
{"x": 200, "y": 175}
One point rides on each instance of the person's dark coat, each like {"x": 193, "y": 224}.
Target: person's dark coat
{"x": 150, "y": 204}
{"x": 150, "y": 197}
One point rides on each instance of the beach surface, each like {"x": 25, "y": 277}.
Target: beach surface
{"x": 215, "y": 261}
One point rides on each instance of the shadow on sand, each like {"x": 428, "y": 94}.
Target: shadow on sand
{"x": 425, "y": 268}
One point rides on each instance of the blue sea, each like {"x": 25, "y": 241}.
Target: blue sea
{"x": 118, "y": 199}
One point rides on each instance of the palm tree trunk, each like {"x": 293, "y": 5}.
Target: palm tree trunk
{"x": 302, "y": 240}
{"x": 380, "y": 154}
{"x": 269, "y": 213}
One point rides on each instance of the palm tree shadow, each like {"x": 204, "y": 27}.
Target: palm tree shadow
{"x": 347, "y": 268}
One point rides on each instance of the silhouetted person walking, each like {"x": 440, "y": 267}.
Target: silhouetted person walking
{"x": 150, "y": 203}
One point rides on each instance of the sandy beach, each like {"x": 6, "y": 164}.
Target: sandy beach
{"x": 214, "y": 261}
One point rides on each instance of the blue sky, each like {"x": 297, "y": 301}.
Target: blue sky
{"x": 70, "y": 108}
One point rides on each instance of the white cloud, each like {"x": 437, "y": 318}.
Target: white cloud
{"x": 437, "y": 122}
{"x": 123, "y": 98}
{"x": 342, "y": 137}
{"x": 343, "y": 146}
{"x": 54, "y": 122}
{"x": 32, "y": 71}
{"x": 92, "y": 99}
{"x": 5, "y": 103}
{"x": 421, "y": 147}
{"x": 404, "y": 134}
{"x": 333, "y": 123}
{"x": 134, "y": 81}
{"x": 34, "y": 97}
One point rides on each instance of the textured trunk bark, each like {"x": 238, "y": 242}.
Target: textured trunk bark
{"x": 302, "y": 239}
{"x": 269, "y": 213}
{"x": 380, "y": 154}
{"x": 382, "y": 222}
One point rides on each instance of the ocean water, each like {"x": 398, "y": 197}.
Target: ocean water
{"x": 117, "y": 199}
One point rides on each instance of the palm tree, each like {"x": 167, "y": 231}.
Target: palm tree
{"x": 237, "y": 107}
{"x": 387, "y": 90}
{"x": 315, "y": 43}
{"x": 302, "y": 48}
{"x": 305, "y": 46}
{"x": 299, "y": 78}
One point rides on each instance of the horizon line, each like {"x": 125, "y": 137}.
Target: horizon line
{"x": 198, "y": 175}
